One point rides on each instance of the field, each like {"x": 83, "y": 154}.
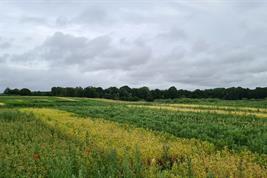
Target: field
{"x": 81, "y": 137}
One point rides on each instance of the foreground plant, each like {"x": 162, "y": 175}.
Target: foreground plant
{"x": 171, "y": 155}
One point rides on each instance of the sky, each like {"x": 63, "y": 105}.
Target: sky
{"x": 189, "y": 44}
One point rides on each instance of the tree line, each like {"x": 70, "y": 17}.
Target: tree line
{"x": 144, "y": 93}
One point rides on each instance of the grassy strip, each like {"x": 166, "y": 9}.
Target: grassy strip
{"x": 252, "y": 103}
{"x": 207, "y": 110}
{"x": 169, "y": 153}
{"x": 66, "y": 98}
{"x": 40, "y": 101}
{"x": 215, "y": 107}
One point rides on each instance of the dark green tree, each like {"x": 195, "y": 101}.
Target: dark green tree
{"x": 7, "y": 91}
{"x": 171, "y": 92}
{"x": 25, "y": 92}
{"x": 125, "y": 93}
{"x": 157, "y": 94}
{"x": 90, "y": 92}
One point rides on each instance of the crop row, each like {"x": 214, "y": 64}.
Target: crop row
{"x": 235, "y": 132}
{"x": 214, "y": 107}
{"x": 169, "y": 153}
{"x": 252, "y": 103}
{"x": 205, "y": 110}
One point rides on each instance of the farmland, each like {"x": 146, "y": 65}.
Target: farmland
{"x": 81, "y": 137}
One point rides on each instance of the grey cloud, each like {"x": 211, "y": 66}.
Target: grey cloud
{"x": 95, "y": 54}
{"x": 5, "y": 45}
{"x": 187, "y": 44}
{"x": 3, "y": 59}
{"x": 93, "y": 15}
{"x": 63, "y": 49}
{"x": 173, "y": 35}
{"x": 34, "y": 20}
{"x": 249, "y": 5}
{"x": 62, "y": 21}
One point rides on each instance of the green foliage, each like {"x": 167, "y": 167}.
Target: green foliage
{"x": 29, "y": 148}
{"x": 144, "y": 93}
{"x": 236, "y": 132}
{"x": 217, "y": 102}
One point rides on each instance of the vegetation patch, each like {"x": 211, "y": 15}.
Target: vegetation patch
{"x": 66, "y": 99}
{"x": 53, "y": 137}
{"x": 209, "y": 110}
{"x": 235, "y": 132}
{"x": 159, "y": 149}
{"x": 30, "y": 148}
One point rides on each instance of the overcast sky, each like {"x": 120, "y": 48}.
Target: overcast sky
{"x": 186, "y": 43}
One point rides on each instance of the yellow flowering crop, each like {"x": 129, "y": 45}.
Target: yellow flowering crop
{"x": 203, "y": 156}
{"x": 195, "y": 109}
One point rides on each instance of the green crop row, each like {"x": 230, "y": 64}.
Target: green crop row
{"x": 235, "y": 132}
{"x": 255, "y": 103}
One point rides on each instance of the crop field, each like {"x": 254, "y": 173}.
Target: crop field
{"x": 82, "y": 137}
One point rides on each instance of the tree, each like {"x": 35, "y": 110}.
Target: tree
{"x": 144, "y": 93}
{"x": 112, "y": 93}
{"x": 90, "y": 92}
{"x": 25, "y": 92}
{"x": 7, "y": 91}
{"x": 100, "y": 92}
{"x": 135, "y": 94}
{"x": 198, "y": 93}
{"x": 58, "y": 91}
{"x": 157, "y": 94}
{"x": 172, "y": 92}
{"x": 78, "y": 92}
{"x": 15, "y": 92}
{"x": 70, "y": 92}
{"x": 125, "y": 93}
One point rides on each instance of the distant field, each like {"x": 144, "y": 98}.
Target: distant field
{"x": 81, "y": 137}
{"x": 217, "y": 102}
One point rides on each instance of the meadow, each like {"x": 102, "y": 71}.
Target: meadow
{"x": 82, "y": 137}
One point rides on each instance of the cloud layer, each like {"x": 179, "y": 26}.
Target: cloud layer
{"x": 189, "y": 44}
